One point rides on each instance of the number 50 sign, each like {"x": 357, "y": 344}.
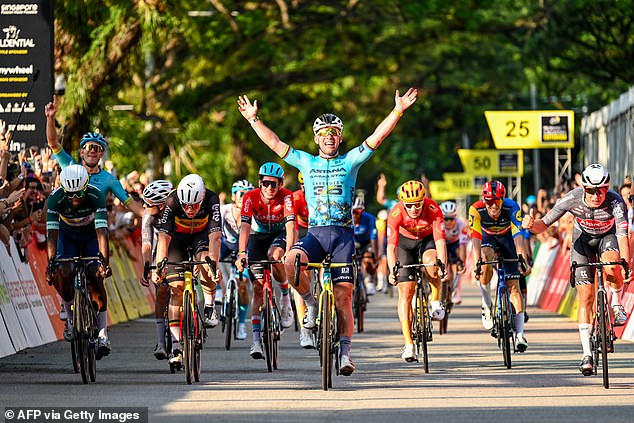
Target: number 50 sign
{"x": 528, "y": 129}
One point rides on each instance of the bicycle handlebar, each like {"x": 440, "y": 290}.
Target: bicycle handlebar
{"x": 598, "y": 264}
{"x": 163, "y": 263}
{"x": 499, "y": 262}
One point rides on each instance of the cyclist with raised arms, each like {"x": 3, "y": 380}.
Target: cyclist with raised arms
{"x": 366, "y": 243}
{"x": 599, "y": 233}
{"x": 456, "y": 233}
{"x": 92, "y": 148}
{"x": 231, "y": 222}
{"x": 330, "y": 180}
{"x": 416, "y": 234}
{"x": 494, "y": 228}
{"x": 268, "y": 211}
{"x": 154, "y": 196}
{"x": 191, "y": 218}
{"x": 77, "y": 226}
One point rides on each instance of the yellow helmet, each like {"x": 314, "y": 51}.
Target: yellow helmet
{"x": 300, "y": 178}
{"x": 412, "y": 192}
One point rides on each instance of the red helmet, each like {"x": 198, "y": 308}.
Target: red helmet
{"x": 493, "y": 190}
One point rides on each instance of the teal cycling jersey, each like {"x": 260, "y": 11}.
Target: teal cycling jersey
{"x": 103, "y": 180}
{"x": 329, "y": 184}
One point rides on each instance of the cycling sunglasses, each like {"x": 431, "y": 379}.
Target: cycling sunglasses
{"x": 492, "y": 201}
{"x": 269, "y": 184}
{"x": 76, "y": 194}
{"x": 449, "y": 219}
{"x": 93, "y": 147}
{"x": 595, "y": 191}
{"x": 324, "y": 132}
{"x": 413, "y": 206}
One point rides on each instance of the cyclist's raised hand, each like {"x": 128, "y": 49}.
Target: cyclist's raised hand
{"x": 402, "y": 103}
{"x": 529, "y": 219}
{"x": 248, "y": 110}
{"x": 50, "y": 109}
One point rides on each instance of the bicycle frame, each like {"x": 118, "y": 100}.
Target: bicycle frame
{"x": 270, "y": 320}
{"x": 421, "y": 324}
{"x": 84, "y": 343}
{"x": 193, "y": 332}
{"x": 602, "y": 338}
{"x": 328, "y": 336}
{"x": 229, "y": 315}
{"x": 502, "y": 311}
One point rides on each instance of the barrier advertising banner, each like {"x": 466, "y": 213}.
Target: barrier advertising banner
{"x": 26, "y": 68}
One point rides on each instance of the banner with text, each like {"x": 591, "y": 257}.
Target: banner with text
{"x": 26, "y": 69}
{"x": 529, "y": 129}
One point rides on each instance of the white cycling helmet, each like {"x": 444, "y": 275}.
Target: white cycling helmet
{"x": 327, "y": 120}
{"x": 359, "y": 203}
{"x": 156, "y": 192}
{"x": 241, "y": 185}
{"x": 449, "y": 209}
{"x": 595, "y": 176}
{"x": 74, "y": 178}
{"x": 191, "y": 189}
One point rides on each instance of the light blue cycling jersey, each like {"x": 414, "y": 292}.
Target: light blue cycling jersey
{"x": 329, "y": 184}
{"x": 103, "y": 180}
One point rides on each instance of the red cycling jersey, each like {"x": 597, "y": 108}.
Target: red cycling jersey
{"x": 270, "y": 216}
{"x": 299, "y": 199}
{"x": 429, "y": 222}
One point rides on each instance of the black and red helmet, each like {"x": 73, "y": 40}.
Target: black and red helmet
{"x": 493, "y": 190}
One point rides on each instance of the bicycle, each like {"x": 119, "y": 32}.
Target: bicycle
{"x": 85, "y": 333}
{"x": 327, "y": 333}
{"x": 359, "y": 294}
{"x": 602, "y": 339}
{"x": 421, "y": 326}
{"x": 270, "y": 317}
{"x": 230, "y": 307}
{"x": 446, "y": 292}
{"x": 167, "y": 333}
{"x": 503, "y": 325}
{"x": 193, "y": 332}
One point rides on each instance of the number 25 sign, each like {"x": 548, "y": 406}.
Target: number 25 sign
{"x": 528, "y": 129}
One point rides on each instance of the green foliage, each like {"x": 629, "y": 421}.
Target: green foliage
{"x": 182, "y": 74}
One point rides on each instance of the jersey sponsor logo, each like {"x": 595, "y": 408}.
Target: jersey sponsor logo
{"x": 595, "y": 226}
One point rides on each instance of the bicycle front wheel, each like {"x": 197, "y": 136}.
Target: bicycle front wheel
{"x": 602, "y": 323}
{"x": 425, "y": 325}
{"x": 267, "y": 330}
{"x": 445, "y": 298}
{"x": 188, "y": 337}
{"x": 81, "y": 335}
{"x": 504, "y": 330}
{"x": 199, "y": 327}
{"x": 325, "y": 329}
{"x": 229, "y": 314}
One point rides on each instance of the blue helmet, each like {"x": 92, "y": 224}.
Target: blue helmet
{"x": 93, "y": 137}
{"x": 271, "y": 169}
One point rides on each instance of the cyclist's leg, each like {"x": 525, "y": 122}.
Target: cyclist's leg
{"x": 609, "y": 251}
{"x": 581, "y": 252}
{"x": 429, "y": 255}
{"x": 256, "y": 305}
{"x": 160, "y": 305}
{"x": 175, "y": 279}
{"x": 309, "y": 249}
{"x": 276, "y": 252}
{"x": 244, "y": 300}
{"x": 407, "y": 253}
{"x": 342, "y": 250}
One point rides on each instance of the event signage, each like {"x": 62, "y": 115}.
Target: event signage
{"x": 529, "y": 129}
{"x": 492, "y": 162}
{"x": 26, "y": 69}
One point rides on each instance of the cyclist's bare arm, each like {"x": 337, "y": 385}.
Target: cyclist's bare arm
{"x": 214, "y": 252}
{"x": 401, "y": 103}
{"x": 391, "y": 260}
{"x": 243, "y": 241}
{"x": 624, "y": 250}
{"x": 521, "y": 251}
{"x": 51, "y": 132}
{"x": 162, "y": 247}
{"x": 291, "y": 235}
{"x": 380, "y": 189}
{"x": 535, "y": 226}
{"x": 250, "y": 112}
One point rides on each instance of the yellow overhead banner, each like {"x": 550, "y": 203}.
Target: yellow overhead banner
{"x": 440, "y": 192}
{"x": 492, "y": 162}
{"x": 464, "y": 184}
{"x": 528, "y": 129}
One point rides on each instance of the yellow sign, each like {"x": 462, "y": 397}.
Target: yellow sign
{"x": 492, "y": 162}
{"x": 528, "y": 129}
{"x": 463, "y": 183}
{"x": 440, "y": 192}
